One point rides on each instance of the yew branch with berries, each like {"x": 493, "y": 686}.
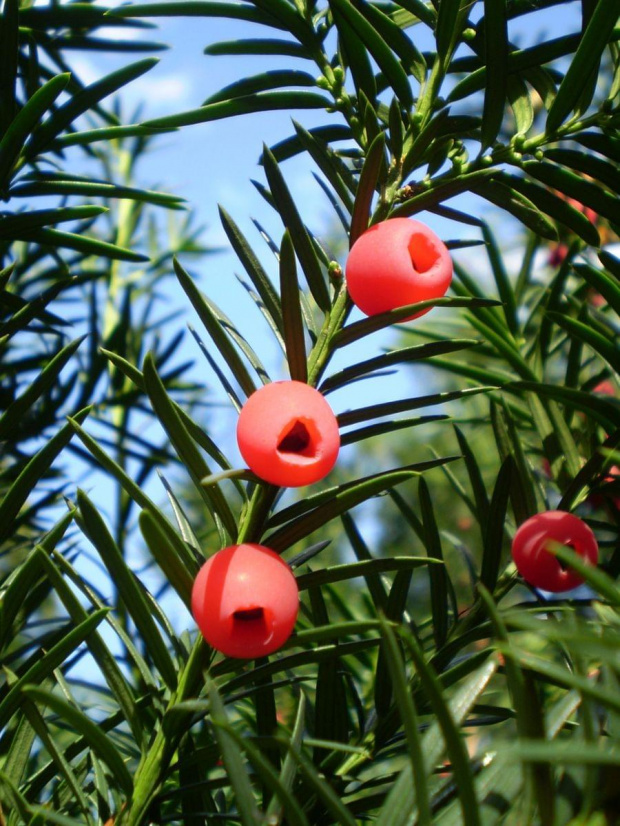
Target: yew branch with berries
{"x": 396, "y": 606}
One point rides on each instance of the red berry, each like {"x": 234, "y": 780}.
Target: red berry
{"x": 397, "y": 262}
{"x": 245, "y": 601}
{"x": 288, "y": 434}
{"x": 533, "y": 559}
{"x": 605, "y": 388}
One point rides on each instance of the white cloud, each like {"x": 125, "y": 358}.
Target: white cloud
{"x": 158, "y": 92}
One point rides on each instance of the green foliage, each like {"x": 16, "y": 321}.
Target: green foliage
{"x": 425, "y": 683}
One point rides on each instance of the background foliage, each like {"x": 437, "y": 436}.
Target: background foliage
{"x": 425, "y": 682}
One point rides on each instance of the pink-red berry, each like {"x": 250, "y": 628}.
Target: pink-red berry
{"x": 533, "y": 558}
{"x": 288, "y": 434}
{"x": 397, "y": 262}
{"x": 245, "y": 601}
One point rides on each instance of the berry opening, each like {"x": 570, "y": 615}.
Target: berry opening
{"x": 422, "y": 252}
{"x": 249, "y": 614}
{"x": 297, "y": 440}
{"x": 252, "y": 631}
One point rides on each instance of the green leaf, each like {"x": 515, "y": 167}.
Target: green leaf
{"x": 390, "y": 408}
{"x": 374, "y": 582}
{"x": 495, "y": 55}
{"x": 64, "y": 184}
{"x": 12, "y": 225}
{"x": 603, "y": 144}
{"x": 289, "y": 768}
{"x": 412, "y": 60}
{"x": 197, "y": 433}
{"x": 167, "y": 556}
{"x": 12, "y": 796}
{"x": 263, "y": 102}
{"x": 100, "y": 653}
{"x": 588, "y": 335}
{"x": 421, "y": 12}
{"x": 525, "y": 701}
{"x": 520, "y": 103}
{"x": 257, "y": 274}
{"x": 186, "y": 447}
{"x": 73, "y": 16}
{"x": 233, "y": 761}
{"x": 260, "y": 83}
{"x": 300, "y": 237}
{"x": 81, "y": 243}
{"x": 368, "y": 183}
{"x": 448, "y": 28}
{"x": 373, "y": 430}
{"x": 493, "y": 527}
{"x": 610, "y": 262}
{"x": 171, "y": 553}
{"x": 18, "y": 754}
{"x": 355, "y": 57}
{"x": 574, "y": 186}
{"x": 588, "y": 164}
{"x": 535, "y": 751}
{"x": 133, "y": 655}
{"x": 595, "y": 577}
{"x": 605, "y": 285}
{"x": 48, "y": 661}
{"x": 394, "y": 608}
{"x": 585, "y": 63}
{"x": 255, "y": 46}
{"x": 409, "y": 717}
{"x": 518, "y": 61}
{"x": 21, "y": 489}
{"x": 475, "y": 478}
{"x": 25, "y": 121}
{"x": 335, "y": 170}
{"x": 331, "y": 714}
{"x": 313, "y": 501}
{"x": 343, "y": 501}
{"x": 399, "y": 806}
{"x": 360, "y": 329}
{"x": 190, "y": 8}
{"x": 350, "y": 570}
{"x": 439, "y": 580}
{"x": 558, "y": 208}
{"x": 291, "y": 312}
{"x": 82, "y": 101}
{"x": 332, "y": 802}
{"x": 522, "y": 489}
{"x": 559, "y": 675}
{"x": 25, "y": 577}
{"x": 283, "y": 800}
{"x": 98, "y": 741}
{"x": 377, "y": 39}
{"x": 212, "y": 320}
{"x": 108, "y": 133}
{"x": 440, "y": 190}
{"x": 129, "y": 590}
{"x": 327, "y": 134}
{"x": 15, "y": 587}
{"x": 403, "y": 356}
{"x": 36, "y": 308}
{"x": 9, "y": 56}
{"x": 512, "y": 200}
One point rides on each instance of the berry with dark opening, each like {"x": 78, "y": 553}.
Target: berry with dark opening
{"x": 397, "y": 262}
{"x": 531, "y": 554}
{"x": 245, "y": 601}
{"x": 288, "y": 434}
